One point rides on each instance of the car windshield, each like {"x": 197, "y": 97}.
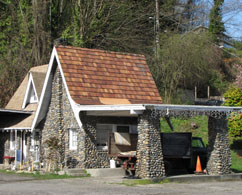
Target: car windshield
{"x": 197, "y": 143}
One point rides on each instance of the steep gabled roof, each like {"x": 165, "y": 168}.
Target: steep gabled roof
{"x": 38, "y": 74}
{"x": 97, "y": 77}
{"x": 20, "y": 117}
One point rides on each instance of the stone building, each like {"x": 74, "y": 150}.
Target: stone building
{"x": 87, "y": 96}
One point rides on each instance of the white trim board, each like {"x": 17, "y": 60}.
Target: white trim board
{"x": 28, "y": 93}
{"x": 45, "y": 97}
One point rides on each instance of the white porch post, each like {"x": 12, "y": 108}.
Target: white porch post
{"x": 15, "y": 146}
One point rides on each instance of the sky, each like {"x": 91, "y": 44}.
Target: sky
{"x": 232, "y": 18}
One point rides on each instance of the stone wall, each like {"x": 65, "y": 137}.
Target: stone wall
{"x": 93, "y": 157}
{"x": 31, "y": 153}
{"x": 4, "y": 145}
{"x": 219, "y": 158}
{"x": 150, "y": 162}
{"x": 59, "y": 120}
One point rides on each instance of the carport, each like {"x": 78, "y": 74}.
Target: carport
{"x": 150, "y": 162}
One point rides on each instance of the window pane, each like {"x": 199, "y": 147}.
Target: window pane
{"x": 73, "y": 139}
{"x": 103, "y": 131}
{"x": 123, "y": 129}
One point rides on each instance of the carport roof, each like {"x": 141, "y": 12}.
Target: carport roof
{"x": 164, "y": 109}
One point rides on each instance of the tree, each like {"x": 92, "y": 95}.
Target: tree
{"x": 216, "y": 26}
{"x": 185, "y": 61}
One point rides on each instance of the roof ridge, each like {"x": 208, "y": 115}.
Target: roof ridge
{"x": 101, "y": 51}
{"x": 38, "y": 68}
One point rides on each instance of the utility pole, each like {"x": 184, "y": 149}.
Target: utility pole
{"x": 157, "y": 27}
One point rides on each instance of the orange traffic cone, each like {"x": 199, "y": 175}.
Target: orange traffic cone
{"x": 198, "y": 167}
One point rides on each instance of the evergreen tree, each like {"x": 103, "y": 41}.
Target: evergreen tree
{"x": 216, "y": 26}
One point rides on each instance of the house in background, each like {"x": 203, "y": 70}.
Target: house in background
{"x": 225, "y": 40}
{"x": 17, "y": 117}
{"x": 87, "y": 94}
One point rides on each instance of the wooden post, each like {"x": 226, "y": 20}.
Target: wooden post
{"x": 157, "y": 27}
{"x": 195, "y": 93}
{"x": 208, "y": 92}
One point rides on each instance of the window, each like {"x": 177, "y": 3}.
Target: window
{"x": 12, "y": 140}
{"x": 73, "y": 139}
{"x": 197, "y": 143}
{"x": 34, "y": 139}
{"x": 103, "y": 131}
{"x": 30, "y": 93}
{"x": 122, "y": 128}
{"x": 132, "y": 129}
{"x": 33, "y": 97}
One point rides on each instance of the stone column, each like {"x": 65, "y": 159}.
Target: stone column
{"x": 219, "y": 158}
{"x": 150, "y": 162}
{"x": 89, "y": 127}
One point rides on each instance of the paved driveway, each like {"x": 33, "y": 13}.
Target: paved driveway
{"x": 12, "y": 178}
{"x": 110, "y": 186}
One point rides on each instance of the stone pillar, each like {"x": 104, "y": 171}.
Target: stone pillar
{"x": 150, "y": 162}
{"x": 89, "y": 127}
{"x": 219, "y": 158}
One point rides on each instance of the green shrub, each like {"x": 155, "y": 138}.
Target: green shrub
{"x": 233, "y": 97}
{"x": 235, "y": 125}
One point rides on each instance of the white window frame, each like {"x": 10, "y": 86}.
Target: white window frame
{"x": 32, "y": 144}
{"x": 30, "y": 93}
{"x": 72, "y": 136}
{"x": 12, "y": 140}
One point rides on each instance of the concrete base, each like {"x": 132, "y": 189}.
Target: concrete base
{"x": 106, "y": 172}
{"x": 76, "y": 172}
{"x": 201, "y": 178}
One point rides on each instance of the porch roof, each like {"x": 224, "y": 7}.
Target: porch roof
{"x": 15, "y": 119}
{"x": 9, "y": 111}
{"x": 160, "y": 109}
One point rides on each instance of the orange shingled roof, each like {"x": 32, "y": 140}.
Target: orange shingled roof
{"x": 98, "y": 77}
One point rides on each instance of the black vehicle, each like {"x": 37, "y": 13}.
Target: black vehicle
{"x": 180, "y": 151}
{"x": 198, "y": 149}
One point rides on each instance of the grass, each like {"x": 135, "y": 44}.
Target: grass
{"x": 37, "y": 175}
{"x": 184, "y": 125}
{"x": 236, "y": 162}
{"x": 135, "y": 182}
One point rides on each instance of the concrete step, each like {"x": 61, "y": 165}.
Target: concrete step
{"x": 76, "y": 172}
{"x": 2, "y": 166}
{"x": 107, "y": 172}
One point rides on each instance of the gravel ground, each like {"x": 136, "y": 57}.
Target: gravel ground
{"x": 14, "y": 185}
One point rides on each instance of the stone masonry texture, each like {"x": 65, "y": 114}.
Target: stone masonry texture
{"x": 93, "y": 157}
{"x": 150, "y": 162}
{"x": 219, "y": 158}
{"x": 59, "y": 120}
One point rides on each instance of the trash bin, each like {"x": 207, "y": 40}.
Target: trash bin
{"x": 112, "y": 164}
